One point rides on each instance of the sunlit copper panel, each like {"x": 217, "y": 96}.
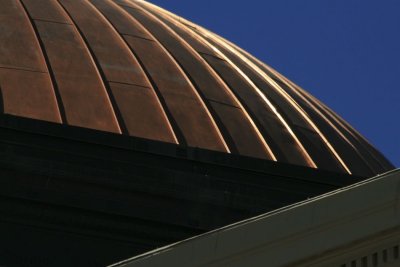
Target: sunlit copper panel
{"x": 131, "y": 68}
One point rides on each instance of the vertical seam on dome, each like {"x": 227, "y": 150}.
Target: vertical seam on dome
{"x": 219, "y": 127}
{"x": 184, "y": 74}
{"x": 57, "y": 95}
{"x": 168, "y": 117}
{"x": 114, "y": 109}
{"x": 175, "y": 129}
{"x": 172, "y": 125}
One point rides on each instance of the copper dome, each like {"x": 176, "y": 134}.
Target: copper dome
{"x": 132, "y": 68}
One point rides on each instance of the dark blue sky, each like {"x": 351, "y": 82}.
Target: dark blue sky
{"x": 345, "y": 52}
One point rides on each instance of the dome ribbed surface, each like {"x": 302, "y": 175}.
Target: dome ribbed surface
{"x": 132, "y": 68}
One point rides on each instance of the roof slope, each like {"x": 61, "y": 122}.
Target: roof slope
{"x": 356, "y": 220}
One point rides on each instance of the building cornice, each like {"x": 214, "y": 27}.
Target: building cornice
{"x": 310, "y": 233}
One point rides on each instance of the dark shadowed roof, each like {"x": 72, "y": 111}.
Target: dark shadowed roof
{"x": 131, "y": 68}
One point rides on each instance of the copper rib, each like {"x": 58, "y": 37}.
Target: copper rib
{"x": 60, "y": 105}
{"x": 92, "y": 56}
{"x": 129, "y": 88}
{"x": 27, "y": 89}
{"x": 218, "y": 143}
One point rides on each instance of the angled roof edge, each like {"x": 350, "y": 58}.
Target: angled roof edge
{"x": 291, "y": 234}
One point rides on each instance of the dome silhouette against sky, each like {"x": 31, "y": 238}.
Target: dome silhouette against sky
{"x": 131, "y": 68}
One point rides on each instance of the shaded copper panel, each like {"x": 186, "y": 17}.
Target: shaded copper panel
{"x": 28, "y": 94}
{"x": 190, "y": 118}
{"x": 83, "y": 94}
{"x": 112, "y": 54}
{"x": 141, "y": 112}
{"x": 119, "y": 19}
{"x": 245, "y": 145}
{"x": 46, "y": 10}
{"x": 239, "y": 136}
{"x": 168, "y": 80}
{"x": 18, "y": 46}
{"x": 208, "y": 85}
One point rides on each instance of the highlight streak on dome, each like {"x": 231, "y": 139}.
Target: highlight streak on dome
{"x": 132, "y": 68}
